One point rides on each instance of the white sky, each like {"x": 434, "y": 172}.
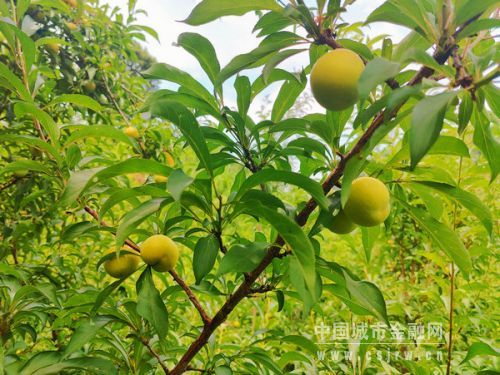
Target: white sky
{"x": 229, "y": 35}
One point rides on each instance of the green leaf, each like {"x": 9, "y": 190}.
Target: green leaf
{"x": 133, "y": 218}
{"x": 205, "y": 253}
{"x": 442, "y": 236}
{"x": 200, "y": 106}
{"x": 412, "y": 40}
{"x": 242, "y": 258}
{"x": 103, "y": 294}
{"x": 209, "y": 10}
{"x": 223, "y": 370}
{"x": 464, "y": 112}
{"x": 287, "y": 96}
{"x": 276, "y": 75}
{"x": 81, "y": 180}
{"x": 357, "y": 47}
{"x": 80, "y": 100}
{"x": 484, "y": 140}
{"x": 477, "y": 26}
{"x": 28, "y": 47}
{"x": 466, "y": 199}
{"x": 426, "y": 124}
{"x": 172, "y": 74}
{"x": 23, "y": 108}
{"x": 150, "y": 305}
{"x": 98, "y": 131}
{"x": 305, "y": 183}
{"x": 201, "y": 48}
{"x": 410, "y": 13}
{"x": 243, "y": 94}
{"x": 368, "y": 296}
{"x": 30, "y": 165}
{"x": 376, "y": 71}
{"x": 389, "y": 12}
{"x": 177, "y": 182}
{"x": 77, "y": 230}
{"x": 125, "y": 194}
{"x": 76, "y": 185}
{"x": 278, "y": 59}
{"x": 269, "y": 46}
{"x": 449, "y": 146}
{"x": 14, "y": 83}
{"x": 84, "y": 333}
{"x": 471, "y": 8}
{"x": 434, "y": 174}
{"x": 187, "y": 124}
{"x": 293, "y": 234}
{"x": 272, "y": 22}
{"x": 369, "y": 236}
{"x": 93, "y": 364}
{"x": 39, "y": 361}
{"x": 420, "y": 56}
{"x": 480, "y": 348}
{"x": 492, "y": 96}
{"x": 34, "y": 142}
{"x": 302, "y": 342}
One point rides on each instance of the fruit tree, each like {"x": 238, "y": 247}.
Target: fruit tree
{"x": 154, "y": 223}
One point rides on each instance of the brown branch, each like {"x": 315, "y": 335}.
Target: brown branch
{"x": 9, "y": 183}
{"x": 262, "y": 289}
{"x": 441, "y": 55}
{"x": 154, "y": 354}
{"x": 462, "y": 77}
{"x": 177, "y": 278}
{"x": 115, "y": 103}
{"x": 204, "y": 316}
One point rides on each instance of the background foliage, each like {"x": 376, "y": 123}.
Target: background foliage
{"x": 73, "y": 186}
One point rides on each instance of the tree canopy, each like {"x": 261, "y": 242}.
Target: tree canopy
{"x": 148, "y": 230}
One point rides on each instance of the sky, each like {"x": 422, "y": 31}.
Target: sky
{"x": 229, "y": 35}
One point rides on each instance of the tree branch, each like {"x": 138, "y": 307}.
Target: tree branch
{"x": 148, "y": 346}
{"x": 441, "y": 55}
{"x": 196, "y": 303}
{"x": 204, "y": 316}
{"x": 9, "y": 183}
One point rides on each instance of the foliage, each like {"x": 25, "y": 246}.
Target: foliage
{"x": 248, "y": 198}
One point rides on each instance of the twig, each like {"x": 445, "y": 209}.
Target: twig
{"x": 204, "y": 316}
{"x": 154, "y": 354}
{"x": 9, "y": 183}
{"x": 115, "y": 103}
{"x": 262, "y": 289}
{"x": 177, "y": 278}
{"x": 462, "y": 77}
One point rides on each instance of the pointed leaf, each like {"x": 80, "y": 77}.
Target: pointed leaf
{"x": 187, "y": 124}
{"x": 376, "y": 71}
{"x": 426, "y": 124}
{"x": 150, "y": 305}
{"x": 267, "y": 175}
{"x": 293, "y": 234}
{"x": 205, "y": 253}
{"x": 442, "y": 236}
{"x": 201, "y": 48}
{"x": 209, "y": 10}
